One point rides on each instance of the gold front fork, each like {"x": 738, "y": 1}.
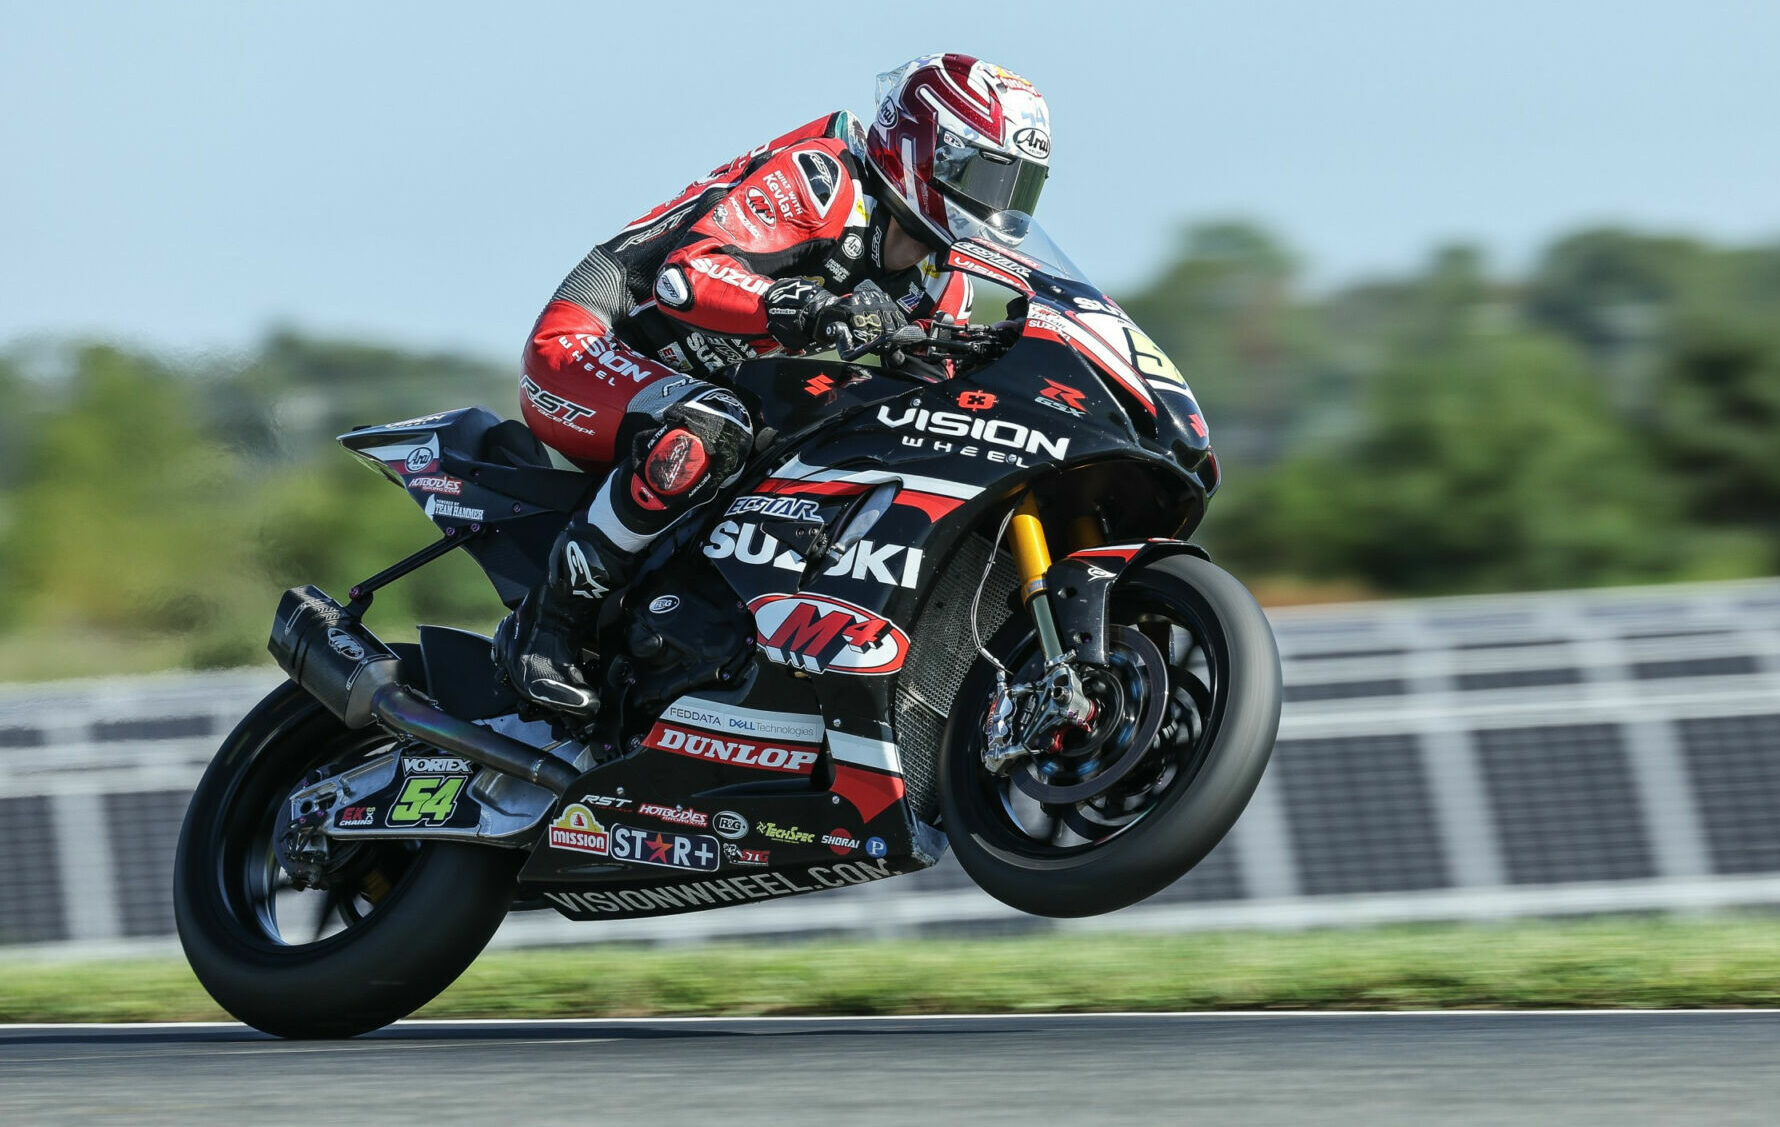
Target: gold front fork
{"x": 1032, "y": 558}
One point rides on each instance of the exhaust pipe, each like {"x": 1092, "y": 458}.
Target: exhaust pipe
{"x": 355, "y": 676}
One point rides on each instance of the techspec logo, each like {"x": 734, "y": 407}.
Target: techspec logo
{"x": 821, "y": 634}
{"x": 791, "y": 759}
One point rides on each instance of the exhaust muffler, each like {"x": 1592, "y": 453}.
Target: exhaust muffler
{"x": 356, "y": 677}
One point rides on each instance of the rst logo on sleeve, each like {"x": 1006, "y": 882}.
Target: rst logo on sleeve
{"x": 822, "y": 634}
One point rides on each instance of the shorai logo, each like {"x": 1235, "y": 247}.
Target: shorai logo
{"x": 823, "y": 634}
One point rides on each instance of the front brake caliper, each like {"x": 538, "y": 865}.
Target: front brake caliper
{"x": 1000, "y": 747}
{"x": 1030, "y": 717}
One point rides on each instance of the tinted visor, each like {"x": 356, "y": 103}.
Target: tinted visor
{"x": 985, "y": 182}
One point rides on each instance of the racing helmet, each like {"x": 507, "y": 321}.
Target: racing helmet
{"x": 956, "y": 140}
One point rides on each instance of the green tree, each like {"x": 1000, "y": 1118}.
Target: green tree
{"x": 1224, "y": 311}
{"x": 130, "y": 517}
{"x": 1491, "y": 466}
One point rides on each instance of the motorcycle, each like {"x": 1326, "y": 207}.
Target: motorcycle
{"x": 949, "y": 603}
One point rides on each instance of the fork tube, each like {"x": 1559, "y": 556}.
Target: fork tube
{"x": 1032, "y": 558}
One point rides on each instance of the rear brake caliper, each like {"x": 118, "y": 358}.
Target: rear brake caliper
{"x": 299, "y": 837}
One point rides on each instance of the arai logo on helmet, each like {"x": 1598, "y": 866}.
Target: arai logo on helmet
{"x": 1034, "y": 142}
{"x": 345, "y": 644}
{"x": 887, "y": 112}
{"x": 419, "y": 458}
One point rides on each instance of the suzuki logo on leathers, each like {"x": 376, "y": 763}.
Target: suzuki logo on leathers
{"x": 821, "y": 634}
{"x": 894, "y": 565}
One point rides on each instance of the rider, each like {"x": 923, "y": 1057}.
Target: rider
{"x": 829, "y": 225}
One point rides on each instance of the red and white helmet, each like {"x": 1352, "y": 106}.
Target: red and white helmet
{"x": 955, "y": 141}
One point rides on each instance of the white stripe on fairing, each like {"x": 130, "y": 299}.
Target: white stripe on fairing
{"x": 1178, "y": 389}
{"x": 865, "y": 753}
{"x": 717, "y": 716}
{"x": 400, "y": 453}
{"x": 799, "y": 470}
{"x": 1110, "y": 359}
{"x": 605, "y": 518}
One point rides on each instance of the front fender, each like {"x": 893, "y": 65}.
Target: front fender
{"x": 1078, "y": 585}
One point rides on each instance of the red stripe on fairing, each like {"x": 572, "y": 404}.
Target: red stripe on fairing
{"x": 870, "y": 792}
{"x": 820, "y": 488}
{"x": 934, "y": 505}
{"x": 1142, "y": 396}
{"x": 1121, "y": 553}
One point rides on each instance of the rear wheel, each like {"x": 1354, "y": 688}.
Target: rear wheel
{"x": 1187, "y": 712}
{"x": 396, "y": 924}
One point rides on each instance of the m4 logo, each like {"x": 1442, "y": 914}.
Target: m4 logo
{"x": 821, "y": 634}
{"x": 427, "y": 800}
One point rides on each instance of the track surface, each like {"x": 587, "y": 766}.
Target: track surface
{"x": 1608, "y": 1068}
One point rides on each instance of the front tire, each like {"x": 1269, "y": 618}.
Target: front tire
{"x": 416, "y": 918}
{"x": 1083, "y": 859}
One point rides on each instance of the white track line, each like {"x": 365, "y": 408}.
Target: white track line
{"x": 431, "y": 1023}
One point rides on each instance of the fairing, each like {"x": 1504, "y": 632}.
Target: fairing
{"x": 750, "y": 745}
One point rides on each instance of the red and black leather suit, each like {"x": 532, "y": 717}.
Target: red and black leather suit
{"x": 625, "y": 365}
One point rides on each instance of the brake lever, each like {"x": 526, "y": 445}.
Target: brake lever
{"x": 842, "y": 338}
{"x": 851, "y": 352}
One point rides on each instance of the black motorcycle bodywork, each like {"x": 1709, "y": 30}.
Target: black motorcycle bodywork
{"x": 780, "y": 675}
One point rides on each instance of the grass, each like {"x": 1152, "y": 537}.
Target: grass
{"x": 1631, "y": 963}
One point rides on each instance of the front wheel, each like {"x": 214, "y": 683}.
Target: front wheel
{"x": 396, "y": 924}
{"x": 1187, "y": 712}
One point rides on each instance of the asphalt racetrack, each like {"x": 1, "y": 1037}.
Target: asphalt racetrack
{"x": 1453, "y": 1068}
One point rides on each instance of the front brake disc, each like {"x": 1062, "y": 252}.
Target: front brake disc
{"x": 1151, "y": 677}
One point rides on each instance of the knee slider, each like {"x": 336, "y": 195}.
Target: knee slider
{"x": 701, "y": 446}
{"x": 721, "y": 424}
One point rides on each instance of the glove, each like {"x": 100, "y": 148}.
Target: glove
{"x": 868, "y": 313}
{"x": 792, "y": 306}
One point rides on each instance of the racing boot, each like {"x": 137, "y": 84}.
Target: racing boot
{"x": 538, "y": 647}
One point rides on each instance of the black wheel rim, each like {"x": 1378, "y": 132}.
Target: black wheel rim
{"x": 269, "y": 911}
{"x": 1193, "y": 645}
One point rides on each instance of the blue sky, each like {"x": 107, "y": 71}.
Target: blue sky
{"x": 184, "y": 176}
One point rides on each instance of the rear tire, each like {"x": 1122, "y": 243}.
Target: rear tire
{"x": 440, "y": 910}
{"x": 1209, "y": 789}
